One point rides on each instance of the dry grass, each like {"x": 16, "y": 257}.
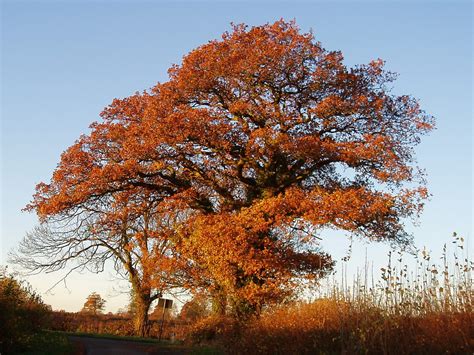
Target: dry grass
{"x": 425, "y": 310}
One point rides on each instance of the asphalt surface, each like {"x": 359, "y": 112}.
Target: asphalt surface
{"x": 95, "y": 346}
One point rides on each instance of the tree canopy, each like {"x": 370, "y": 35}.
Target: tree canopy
{"x": 256, "y": 143}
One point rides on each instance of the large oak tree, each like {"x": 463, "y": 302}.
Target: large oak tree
{"x": 257, "y": 142}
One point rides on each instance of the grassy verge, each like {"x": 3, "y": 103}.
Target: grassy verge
{"x": 120, "y": 337}
{"x": 48, "y": 343}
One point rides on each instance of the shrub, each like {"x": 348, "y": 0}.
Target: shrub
{"x": 22, "y": 313}
{"x": 214, "y": 328}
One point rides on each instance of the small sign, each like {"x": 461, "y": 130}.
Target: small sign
{"x": 165, "y": 303}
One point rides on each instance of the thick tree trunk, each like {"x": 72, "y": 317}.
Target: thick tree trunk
{"x": 142, "y": 299}
{"x": 141, "y": 321}
{"x": 243, "y": 309}
{"x": 219, "y": 303}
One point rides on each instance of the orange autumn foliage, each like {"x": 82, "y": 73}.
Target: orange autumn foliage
{"x": 255, "y": 143}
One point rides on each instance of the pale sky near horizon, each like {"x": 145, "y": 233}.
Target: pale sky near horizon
{"x": 62, "y": 62}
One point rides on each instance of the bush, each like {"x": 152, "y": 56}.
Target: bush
{"x": 22, "y": 313}
{"x": 213, "y": 328}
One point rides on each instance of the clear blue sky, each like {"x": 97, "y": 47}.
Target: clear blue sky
{"x": 62, "y": 62}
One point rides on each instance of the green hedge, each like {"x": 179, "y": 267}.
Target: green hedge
{"x": 22, "y": 314}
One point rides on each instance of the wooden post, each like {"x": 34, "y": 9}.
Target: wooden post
{"x": 166, "y": 304}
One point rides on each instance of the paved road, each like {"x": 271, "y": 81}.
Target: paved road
{"x": 94, "y": 346}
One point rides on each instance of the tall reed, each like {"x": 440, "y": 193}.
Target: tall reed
{"x": 429, "y": 286}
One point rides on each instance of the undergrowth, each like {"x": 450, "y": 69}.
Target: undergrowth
{"x": 425, "y": 310}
